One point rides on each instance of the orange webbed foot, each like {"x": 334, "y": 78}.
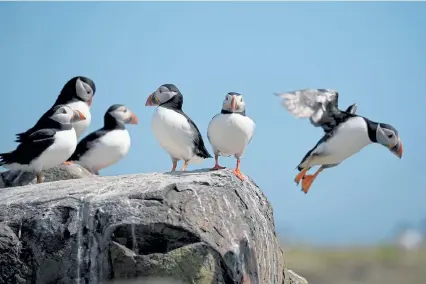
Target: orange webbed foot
{"x": 67, "y": 163}
{"x": 300, "y": 175}
{"x": 239, "y": 174}
{"x": 307, "y": 182}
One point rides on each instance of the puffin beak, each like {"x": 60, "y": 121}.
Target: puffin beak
{"x": 234, "y": 103}
{"x": 77, "y": 116}
{"x": 133, "y": 119}
{"x": 397, "y": 149}
{"x": 151, "y": 101}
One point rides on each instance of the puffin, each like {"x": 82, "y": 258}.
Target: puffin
{"x": 48, "y": 145}
{"x": 345, "y": 132}
{"x": 230, "y": 131}
{"x": 78, "y": 94}
{"x": 107, "y": 145}
{"x": 173, "y": 129}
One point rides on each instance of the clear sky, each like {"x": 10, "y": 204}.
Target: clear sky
{"x": 374, "y": 54}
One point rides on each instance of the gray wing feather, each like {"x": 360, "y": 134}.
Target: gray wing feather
{"x": 318, "y": 104}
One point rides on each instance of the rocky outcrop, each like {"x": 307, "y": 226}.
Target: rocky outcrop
{"x": 193, "y": 227}
{"x": 62, "y": 172}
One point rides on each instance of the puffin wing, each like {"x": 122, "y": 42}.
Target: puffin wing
{"x": 200, "y": 148}
{"x": 40, "y": 124}
{"x": 320, "y": 105}
{"x": 33, "y": 145}
{"x": 86, "y": 144}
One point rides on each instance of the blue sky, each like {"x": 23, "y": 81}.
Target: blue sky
{"x": 372, "y": 53}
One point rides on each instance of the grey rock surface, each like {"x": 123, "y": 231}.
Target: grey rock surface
{"x": 290, "y": 277}
{"x": 193, "y": 227}
{"x": 62, "y": 172}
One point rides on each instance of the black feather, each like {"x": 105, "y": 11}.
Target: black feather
{"x": 175, "y": 104}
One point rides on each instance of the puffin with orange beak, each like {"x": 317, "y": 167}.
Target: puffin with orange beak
{"x": 346, "y": 133}
{"x": 230, "y": 131}
{"x": 107, "y": 145}
{"x": 174, "y": 130}
{"x": 77, "y": 93}
{"x": 47, "y": 146}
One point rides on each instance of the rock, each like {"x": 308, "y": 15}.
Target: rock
{"x": 195, "y": 227}
{"x": 62, "y": 172}
{"x": 290, "y": 277}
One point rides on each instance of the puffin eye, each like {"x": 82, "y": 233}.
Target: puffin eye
{"x": 390, "y": 135}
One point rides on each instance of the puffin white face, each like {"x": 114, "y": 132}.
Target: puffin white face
{"x": 84, "y": 91}
{"x": 163, "y": 94}
{"x": 65, "y": 115}
{"x": 388, "y": 137}
{"x": 234, "y": 102}
{"x": 123, "y": 114}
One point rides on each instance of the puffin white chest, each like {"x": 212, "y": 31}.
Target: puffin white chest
{"x": 57, "y": 153}
{"x": 107, "y": 150}
{"x": 173, "y": 132}
{"x": 229, "y": 134}
{"x": 81, "y": 126}
{"x": 350, "y": 137}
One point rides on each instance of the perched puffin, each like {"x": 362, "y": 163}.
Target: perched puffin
{"x": 50, "y": 144}
{"x": 230, "y": 131}
{"x": 173, "y": 129}
{"x": 346, "y": 133}
{"x": 77, "y": 93}
{"x": 107, "y": 145}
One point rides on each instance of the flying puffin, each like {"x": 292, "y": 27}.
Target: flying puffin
{"x": 50, "y": 144}
{"x": 173, "y": 129}
{"x": 346, "y": 133}
{"x": 230, "y": 131}
{"x": 77, "y": 93}
{"x": 107, "y": 145}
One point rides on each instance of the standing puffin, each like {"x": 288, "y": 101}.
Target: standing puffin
{"x": 77, "y": 93}
{"x": 230, "y": 131}
{"x": 50, "y": 144}
{"x": 107, "y": 145}
{"x": 173, "y": 129}
{"x": 346, "y": 133}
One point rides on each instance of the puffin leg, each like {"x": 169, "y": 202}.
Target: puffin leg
{"x": 237, "y": 171}
{"x": 300, "y": 175}
{"x": 184, "y": 166}
{"x": 175, "y": 161}
{"x": 39, "y": 178}
{"x": 309, "y": 179}
{"x": 67, "y": 163}
{"x": 216, "y": 165}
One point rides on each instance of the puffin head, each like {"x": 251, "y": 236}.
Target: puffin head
{"x": 80, "y": 88}
{"x": 122, "y": 113}
{"x": 388, "y": 136}
{"x": 163, "y": 94}
{"x": 234, "y": 102}
{"x": 65, "y": 115}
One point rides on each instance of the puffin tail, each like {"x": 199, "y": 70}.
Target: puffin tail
{"x": 203, "y": 153}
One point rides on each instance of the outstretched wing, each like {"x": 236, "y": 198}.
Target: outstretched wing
{"x": 320, "y": 105}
